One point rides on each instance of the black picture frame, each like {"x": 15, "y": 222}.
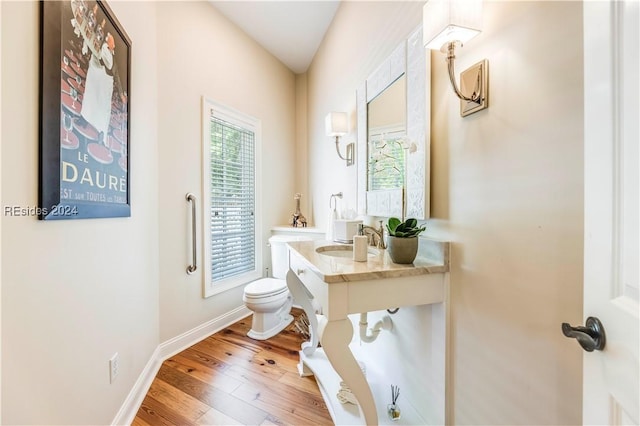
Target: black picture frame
{"x": 85, "y": 68}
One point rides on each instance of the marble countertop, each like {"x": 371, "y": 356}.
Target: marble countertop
{"x": 433, "y": 257}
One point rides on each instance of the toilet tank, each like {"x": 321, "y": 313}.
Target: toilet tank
{"x": 279, "y": 255}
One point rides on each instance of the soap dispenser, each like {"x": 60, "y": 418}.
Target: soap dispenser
{"x": 360, "y": 245}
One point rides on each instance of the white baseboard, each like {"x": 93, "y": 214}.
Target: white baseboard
{"x": 193, "y": 336}
{"x": 129, "y": 408}
{"x": 167, "y": 349}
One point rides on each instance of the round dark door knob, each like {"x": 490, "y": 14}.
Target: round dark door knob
{"x": 591, "y": 337}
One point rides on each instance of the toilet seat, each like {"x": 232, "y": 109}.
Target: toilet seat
{"x": 265, "y": 287}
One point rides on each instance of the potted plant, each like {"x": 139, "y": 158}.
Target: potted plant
{"x": 402, "y": 241}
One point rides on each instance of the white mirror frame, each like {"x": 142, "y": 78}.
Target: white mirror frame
{"x": 412, "y": 59}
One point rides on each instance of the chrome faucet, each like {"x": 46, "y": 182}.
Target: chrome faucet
{"x": 374, "y": 234}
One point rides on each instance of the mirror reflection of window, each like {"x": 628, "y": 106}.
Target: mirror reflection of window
{"x": 387, "y": 128}
{"x": 386, "y": 164}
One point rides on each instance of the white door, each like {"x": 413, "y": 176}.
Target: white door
{"x": 612, "y": 116}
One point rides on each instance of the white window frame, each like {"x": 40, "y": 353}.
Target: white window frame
{"x": 251, "y": 123}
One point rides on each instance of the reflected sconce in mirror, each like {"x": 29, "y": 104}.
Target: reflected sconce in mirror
{"x": 450, "y": 22}
{"x": 336, "y": 124}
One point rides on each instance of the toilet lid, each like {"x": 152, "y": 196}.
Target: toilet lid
{"x": 265, "y": 287}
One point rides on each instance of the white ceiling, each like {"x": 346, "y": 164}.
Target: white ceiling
{"x": 289, "y": 30}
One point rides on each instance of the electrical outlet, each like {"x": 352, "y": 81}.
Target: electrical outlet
{"x": 114, "y": 367}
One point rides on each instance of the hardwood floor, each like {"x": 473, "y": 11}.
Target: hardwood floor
{"x": 230, "y": 379}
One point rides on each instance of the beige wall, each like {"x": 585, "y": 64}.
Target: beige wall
{"x": 201, "y": 53}
{"x": 506, "y": 190}
{"x": 361, "y": 36}
{"x": 75, "y": 292}
{"x": 301, "y": 149}
{"x": 0, "y": 220}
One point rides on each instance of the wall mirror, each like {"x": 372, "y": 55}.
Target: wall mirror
{"x": 393, "y": 134}
{"x": 386, "y": 132}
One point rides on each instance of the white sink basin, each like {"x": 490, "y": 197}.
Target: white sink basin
{"x": 345, "y": 251}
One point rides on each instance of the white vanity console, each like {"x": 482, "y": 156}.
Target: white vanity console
{"x": 341, "y": 287}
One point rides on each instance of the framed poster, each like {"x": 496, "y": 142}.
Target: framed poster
{"x": 85, "y": 65}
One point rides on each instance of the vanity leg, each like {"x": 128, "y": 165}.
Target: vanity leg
{"x": 301, "y": 296}
{"x": 336, "y": 337}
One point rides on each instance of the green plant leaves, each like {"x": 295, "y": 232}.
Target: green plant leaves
{"x": 392, "y": 224}
{"x": 411, "y": 223}
{"x": 407, "y": 229}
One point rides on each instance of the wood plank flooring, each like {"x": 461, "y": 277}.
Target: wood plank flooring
{"x": 231, "y": 379}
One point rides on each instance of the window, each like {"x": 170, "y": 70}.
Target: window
{"x": 233, "y": 254}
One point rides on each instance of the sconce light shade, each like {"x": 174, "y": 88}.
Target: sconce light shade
{"x": 336, "y": 124}
{"x": 446, "y": 21}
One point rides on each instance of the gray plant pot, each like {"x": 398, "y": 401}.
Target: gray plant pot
{"x": 402, "y": 250}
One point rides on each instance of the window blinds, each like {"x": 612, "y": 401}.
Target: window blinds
{"x": 387, "y": 166}
{"x": 233, "y": 199}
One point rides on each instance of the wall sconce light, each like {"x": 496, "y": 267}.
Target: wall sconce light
{"x": 336, "y": 125}
{"x": 450, "y": 22}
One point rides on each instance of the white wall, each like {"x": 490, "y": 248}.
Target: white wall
{"x": 506, "y": 190}
{"x": 201, "y": 53}
{"x": 75, "y": 292}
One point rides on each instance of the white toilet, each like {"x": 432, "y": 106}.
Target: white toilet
{"x": 269, "y": 298}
